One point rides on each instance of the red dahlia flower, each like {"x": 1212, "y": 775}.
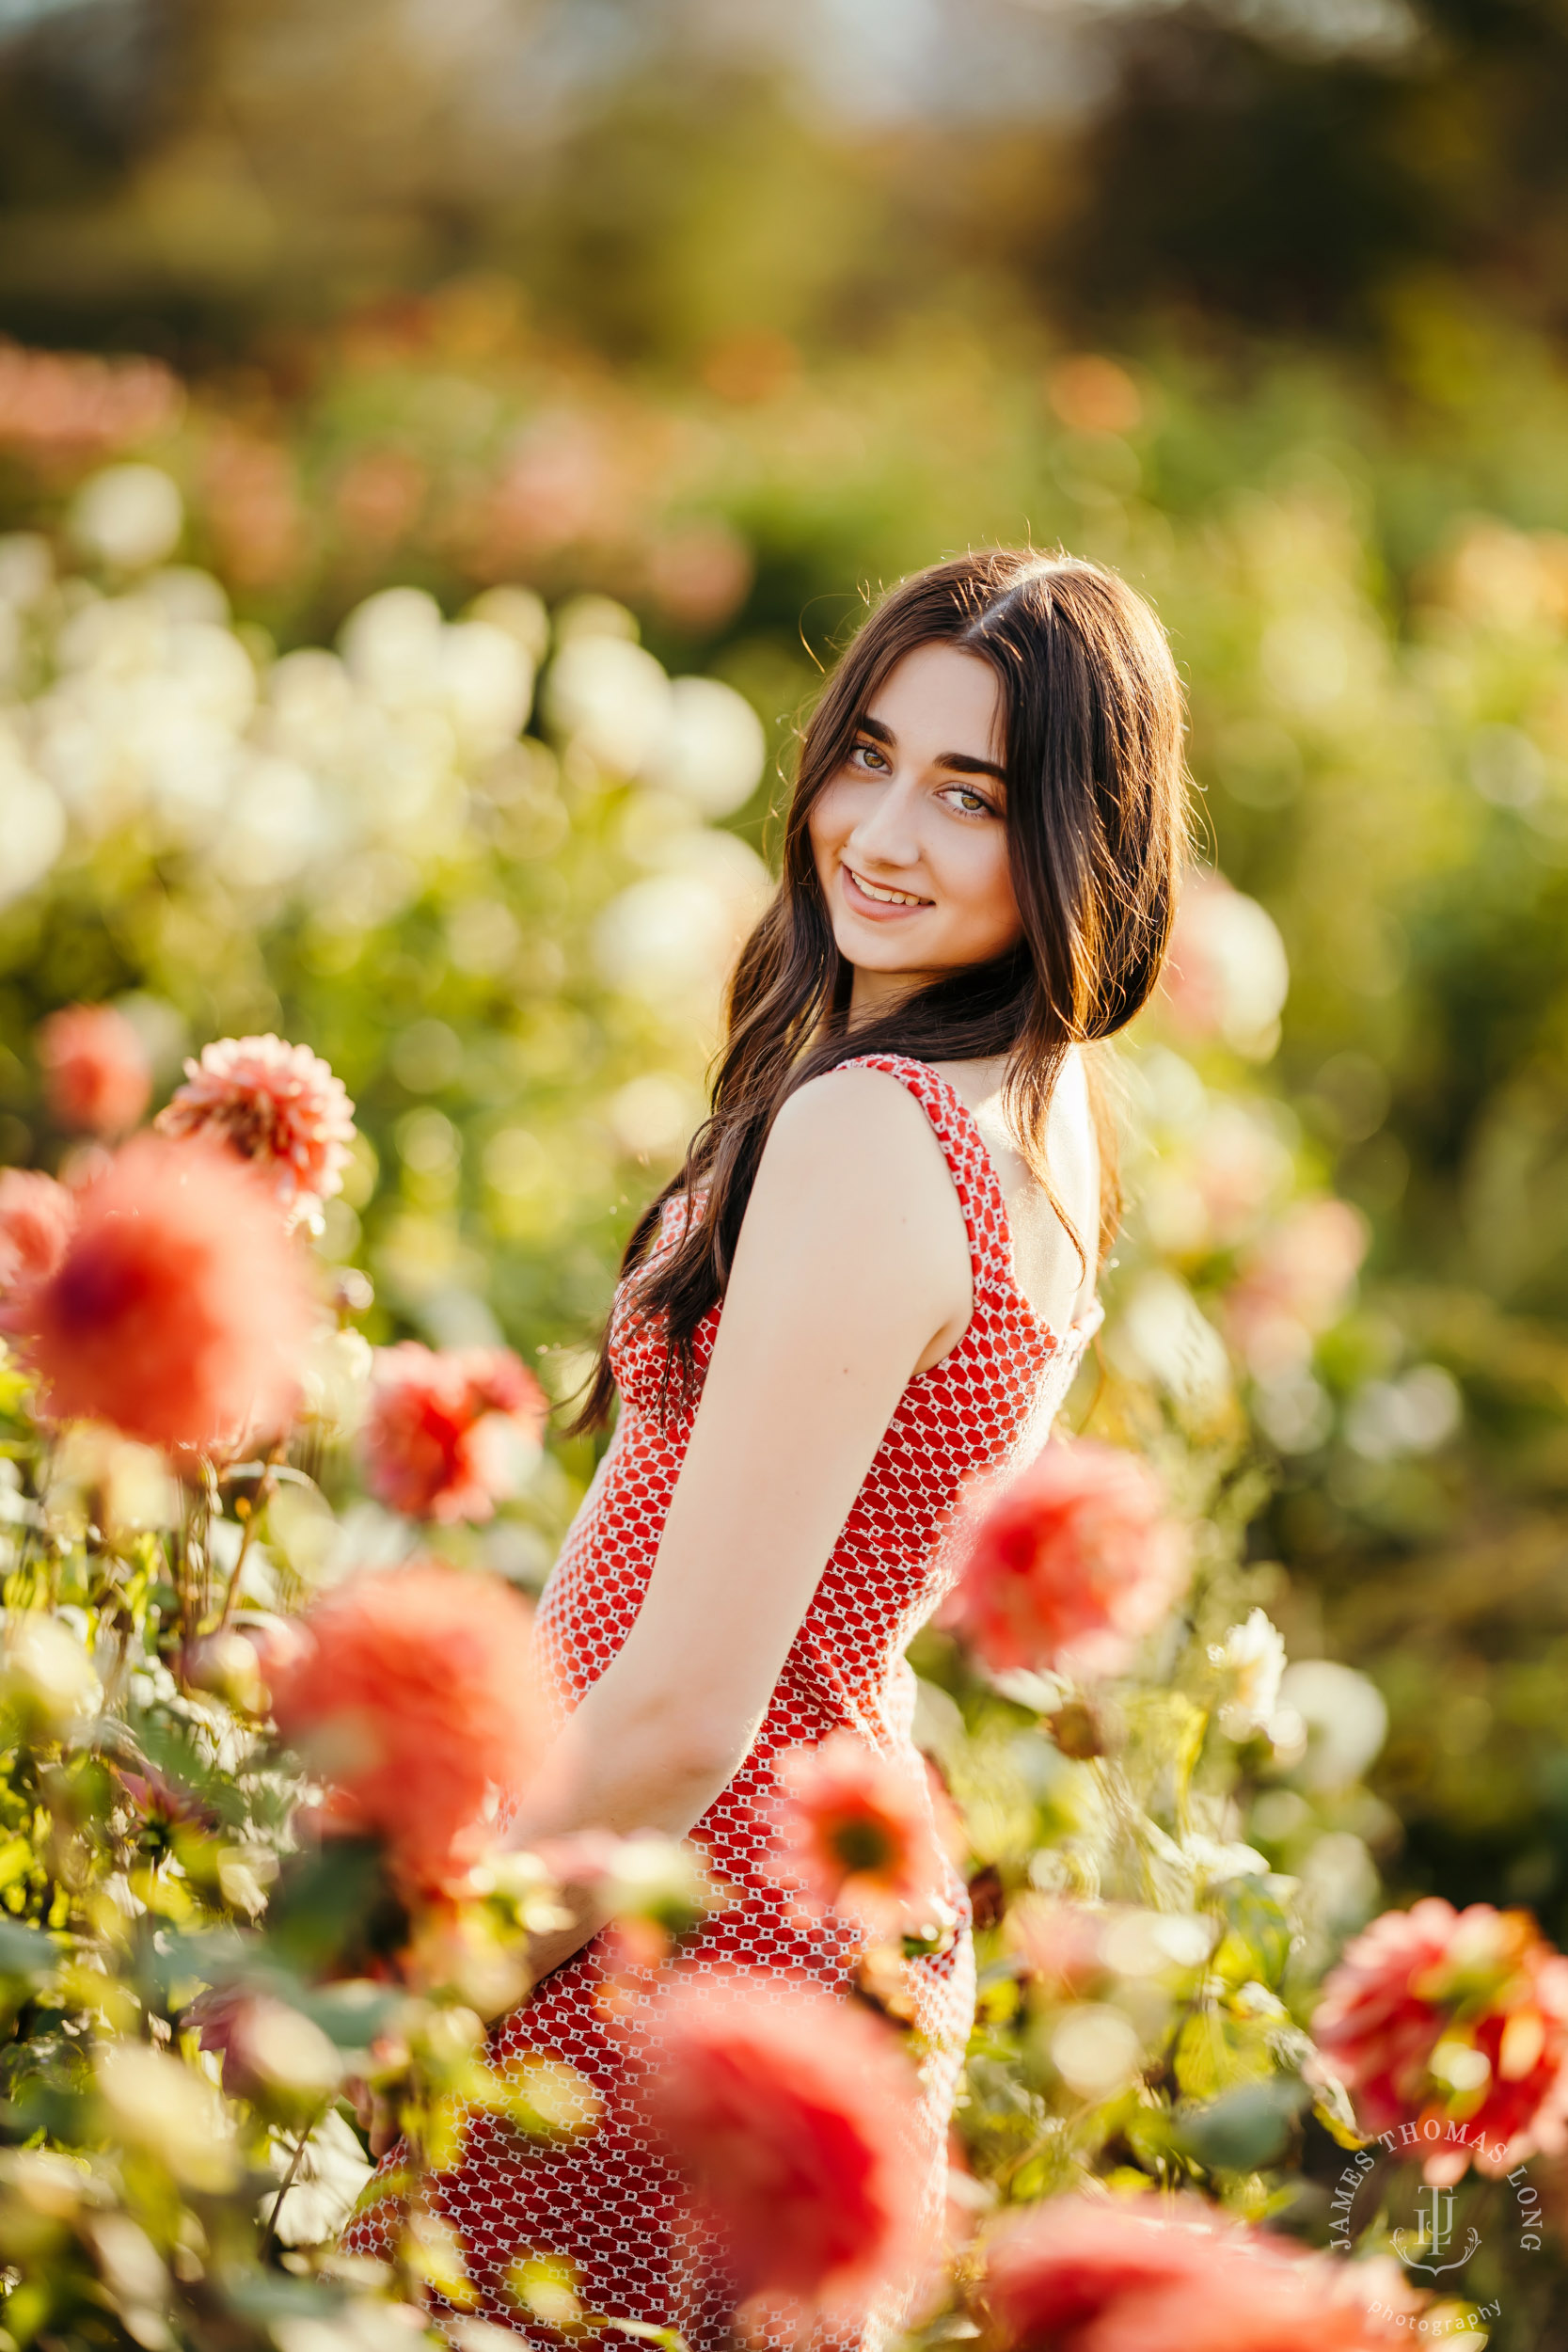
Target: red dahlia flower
{"x": 1059, "y": 2267}
{"x": 1081, "y": 2274}
{"x": 859, "y": 1834}
{"x": 36, "y": 1219}
{"x": 178, "y": 1309}
{"x": 1260, "y": 2301}
{"x": 1069, "y": 1564}
{"x": 97, "y": 1075}
{"x": 790, "y": 2116}
{"x": 408, "y": 1694}
{"x": 276, "y": 1104}
{"x": 448, "y": 1431}
{"x": 1450, "y": 2030}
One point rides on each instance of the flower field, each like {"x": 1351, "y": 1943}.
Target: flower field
{"x": 387, "y": 783}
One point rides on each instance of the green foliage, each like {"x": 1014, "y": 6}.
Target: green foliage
{"x": 485, "y": 933}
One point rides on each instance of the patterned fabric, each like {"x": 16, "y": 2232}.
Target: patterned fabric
{"x": 606, "y": 2203}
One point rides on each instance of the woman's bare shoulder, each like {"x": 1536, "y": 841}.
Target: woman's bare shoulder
{"x": 856, "y": 1146}
{"x": 854, "y": 1110}
{"x": 853, "y": 1237}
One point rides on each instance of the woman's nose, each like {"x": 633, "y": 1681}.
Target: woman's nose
{"x": 885, "y": 832}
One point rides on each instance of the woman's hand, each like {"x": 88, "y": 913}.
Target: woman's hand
{"x": 373, "y": 2112}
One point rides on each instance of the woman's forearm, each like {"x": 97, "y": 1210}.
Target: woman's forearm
{"x": 620, "y": 1763}
{"x": 625, "y": 1761}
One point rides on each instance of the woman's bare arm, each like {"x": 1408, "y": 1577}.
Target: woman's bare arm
{"x": 853, "y": 1262}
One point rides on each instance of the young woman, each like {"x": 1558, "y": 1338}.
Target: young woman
{"x": 873, "y": 1278}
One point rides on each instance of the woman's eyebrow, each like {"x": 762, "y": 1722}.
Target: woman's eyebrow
{"x": 957, "y": 763}
{"x": 966, "y": 764}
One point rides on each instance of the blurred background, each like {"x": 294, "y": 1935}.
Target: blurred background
{"x": 360, "y": 364}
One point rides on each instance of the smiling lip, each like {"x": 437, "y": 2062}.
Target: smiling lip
{"x": 878, "y": 909}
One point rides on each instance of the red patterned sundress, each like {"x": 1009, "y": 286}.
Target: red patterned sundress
{"x": 605, "y": 2202}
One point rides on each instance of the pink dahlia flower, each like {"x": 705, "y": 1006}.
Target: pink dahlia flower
{"x": 409, "y": 1693}
{"x": 276, "y": 1104}
{"x": 1450, "y": 2030}
{"x": 1081, "y": 2274}
{"x": 1060, "y": 1943}
{"x": 790, "y": 2115}
{"x": 1260, "y": 2301}
{"x": 98, "y": 1079}
{"x": 37, "y": 1216}
{"x": 1226, "y": 974}
{"x": 179, "y": 1310}
{"x": 858, "y": 1833}
{"x": 1295, "y": 1282}
{"x": 1069, "y": 1565}
{"x": 264, "y": 2047}
{"x": 447, "y": 1430}
{"x": 1057, "y": 2269}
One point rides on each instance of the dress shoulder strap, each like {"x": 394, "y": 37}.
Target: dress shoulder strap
{"x": 969, "y": 1162}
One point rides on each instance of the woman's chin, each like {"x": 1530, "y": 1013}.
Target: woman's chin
{"x": 877, "y": 954}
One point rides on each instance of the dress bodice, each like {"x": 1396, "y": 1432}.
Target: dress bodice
{"x": 987, "y": 1406}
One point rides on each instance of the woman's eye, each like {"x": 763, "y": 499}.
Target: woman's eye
{"x": 870, "y": 753}
{"x": 969, "y": 803}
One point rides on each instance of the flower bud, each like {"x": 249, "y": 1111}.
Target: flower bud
{"x": 337, "y": 1381}
{"x": 1082, "y": 1730}
{"x": 227, "y": 1664}
{"x": 45, "y": 1673}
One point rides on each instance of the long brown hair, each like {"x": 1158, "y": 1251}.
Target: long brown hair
{"x": 1096, "y": 819}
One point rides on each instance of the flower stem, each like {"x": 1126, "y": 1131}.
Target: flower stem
{"x": 287, "y": 2183}
{"x": 259, "y": 1501}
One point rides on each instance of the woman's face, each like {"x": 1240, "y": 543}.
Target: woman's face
{"x": 911, "y": 839}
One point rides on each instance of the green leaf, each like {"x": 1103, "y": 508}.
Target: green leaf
{"x": 26, "y": 1953}
{"x": 351, "y": 2014}
{"x": 1215, "y": 2053}
{"x": 1245, "y": 2129}
{"x": 1332, "y": 2106}
{"x": 332, "y": 1903}
{"x": 263, "y": 2296}
{"x": 1167, "y": 1742}
{"x": 1257, "y": 1938}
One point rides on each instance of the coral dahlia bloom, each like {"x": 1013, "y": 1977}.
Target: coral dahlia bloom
{"x": 1061, "y": 2266}
{"x": 178, "y": 1311}
{"x": 1261, "y": 2301}
{"x": 1079, "y": 2275}
{"x": 1453, "y": 2025}
{"x": 37, "y": 1216}
{"x": 1060, "y": 1943}
{"x": 449, "y": 1430}
{"x": 1226, "y": 974}
{"x": 409, "y": 1693}
{"x": 1069, "y": 1564}
{"x": 262, "y": 2045}
{"x": 1295, "y": 1282}
{"x": 276, "y": 1104}
{"x": 97, "y": 1075}
{"x": 858, "y": 1833}
{"x": 790, "y": 2115}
